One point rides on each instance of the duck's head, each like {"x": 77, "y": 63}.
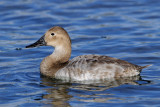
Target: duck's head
{"x": 56, "y": 36}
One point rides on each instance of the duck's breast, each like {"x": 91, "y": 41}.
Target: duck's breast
{"x": 95, "y": 67}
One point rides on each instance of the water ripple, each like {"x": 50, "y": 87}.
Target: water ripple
{"x": 126, "y": 29}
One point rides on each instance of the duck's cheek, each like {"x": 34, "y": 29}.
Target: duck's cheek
{"x": 51, "y": 44}
{"x": 48, "y": 44}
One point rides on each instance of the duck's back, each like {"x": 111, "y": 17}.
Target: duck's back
{"x": 95, "y": 67}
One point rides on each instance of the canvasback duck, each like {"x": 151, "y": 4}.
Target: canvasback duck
{"x": 84, "y": 67}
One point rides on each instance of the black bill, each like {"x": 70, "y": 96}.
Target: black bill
{"x": 40, "y": 42}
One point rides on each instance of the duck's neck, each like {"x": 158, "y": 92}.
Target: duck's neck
{"x": 57, "y": 60}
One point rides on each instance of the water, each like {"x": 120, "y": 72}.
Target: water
{"x": 125, "y": 29}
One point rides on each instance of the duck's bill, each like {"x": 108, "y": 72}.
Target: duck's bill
{"x": 40, "y": 42}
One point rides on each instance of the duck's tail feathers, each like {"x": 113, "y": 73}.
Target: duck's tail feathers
{"x": 142, "y": 67}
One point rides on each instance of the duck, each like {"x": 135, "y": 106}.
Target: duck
{"x": 81, "y": 68}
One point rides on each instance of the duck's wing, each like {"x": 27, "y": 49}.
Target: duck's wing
{"x": 87, "y": 67}
{"x": 109, "y": 60}
{"x": 96, "y": 60}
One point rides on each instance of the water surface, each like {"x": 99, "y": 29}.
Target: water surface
{"x": 125, "y": 29}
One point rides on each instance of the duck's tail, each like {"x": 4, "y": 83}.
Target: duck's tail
{"x": 142, "y": 67}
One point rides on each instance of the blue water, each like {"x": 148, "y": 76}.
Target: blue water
{"x": 125, "y": 29}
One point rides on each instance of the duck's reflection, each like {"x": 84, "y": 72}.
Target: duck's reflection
{"x": 61, "y": 92}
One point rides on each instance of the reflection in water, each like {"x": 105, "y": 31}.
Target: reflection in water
{"x": 61, "y": 92}
{"x": 133, "y": 30}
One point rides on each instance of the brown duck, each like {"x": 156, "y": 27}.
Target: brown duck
{"x": 85, "y": 67}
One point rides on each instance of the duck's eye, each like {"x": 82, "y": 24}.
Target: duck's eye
{"x": 52, "y": 34}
